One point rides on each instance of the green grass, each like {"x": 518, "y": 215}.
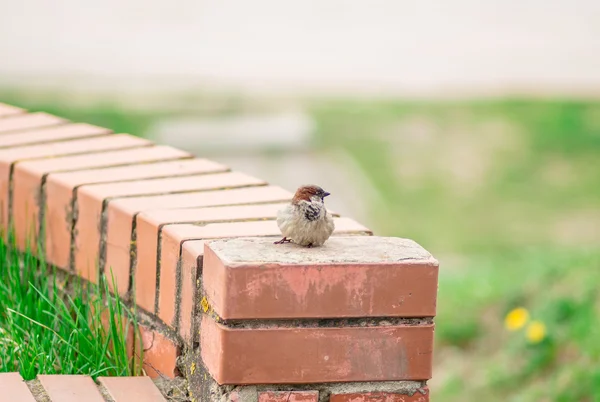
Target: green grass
{"x": 45, "y": 330}
{"x": 465, "y": 177}
{"x": 559, "y": 288}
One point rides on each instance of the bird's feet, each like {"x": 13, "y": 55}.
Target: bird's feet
{"x": 284, "y": 240}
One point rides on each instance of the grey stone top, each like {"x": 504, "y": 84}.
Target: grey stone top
{"x": 338, "y": 249}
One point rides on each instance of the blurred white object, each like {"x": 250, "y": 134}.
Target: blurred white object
{"x": 231, "y": 134}
{"x": 392, "y": 47}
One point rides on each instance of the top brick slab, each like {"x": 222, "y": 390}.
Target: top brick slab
{"x": 75, "y": 388}
{"x": 9, "y": 110}
{"x": 52, "y": 134}
{"x": 251, "y": 278}
{"x": 22, "y": 122}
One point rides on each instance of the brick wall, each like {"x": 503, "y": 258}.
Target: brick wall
{"x": 191, "y": 243}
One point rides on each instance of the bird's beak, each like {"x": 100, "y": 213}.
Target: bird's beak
{"x": 325, "y": 194}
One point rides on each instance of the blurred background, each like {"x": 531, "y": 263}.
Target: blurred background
{"x": 472, "y": 127}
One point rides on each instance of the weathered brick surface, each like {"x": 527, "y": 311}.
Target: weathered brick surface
{"x": 52, "y": 134}
{"x": 296, "y": 355}
{"x": 174, "y": 235}
{"x": 289, "y": 396}
{"x": 71, "y": 388}
{"x": 191, "y": 282}
{"x": 131, "y": 389}
{"x": 12, "y": 386}
{"x": 27, "y": 182}
{"x": 126, "y": 209}
{"x": 92, "y": 201}
{"x": 250, "y": 195}
{"x": 160, "y": 353}
{"x": 61, "y": 189}
{"x": 21, "y": 122}
{"x": 347, "y": 277}
{"x": 150, "y": 223}
{"x": 120, "y": 260}
{"x": 419, "y": 396}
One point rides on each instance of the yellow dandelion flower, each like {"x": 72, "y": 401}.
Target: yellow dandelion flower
{"x": 536, "y": 332}
{"x": 516, "y": 319}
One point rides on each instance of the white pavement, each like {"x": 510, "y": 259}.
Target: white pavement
{"x": 393, "y": 47}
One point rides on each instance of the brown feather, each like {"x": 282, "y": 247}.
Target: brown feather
{"x": 305, "y": 192}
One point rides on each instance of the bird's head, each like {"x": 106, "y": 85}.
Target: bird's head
{"x": 309, "y": 193}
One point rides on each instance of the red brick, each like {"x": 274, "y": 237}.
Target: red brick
{"x": 171, "y": 242}
{"x": 347, "y": 277}
{"x": 62, "y": 187}
{"x": 239, "y": 196}
{"x": 419, "y": 396}
{"x": 289, "y": 396}
{"x": 132, "y": 389}
{"x": 159, "y": 352}
{"x": 8, "y": 157}
{"x": 72, "y": 147}
{"x": 191, "y": 269}
{"x": 125, "y": 209}
{"x": 130, "y": 156}
{"x": 297, "y": 355}
{"x": 27, "y": 182}
{"x": 99, "y": 160}
{"x": 118, "y": 236}
{"x": 12, "y": 386}
{"x": 148, "y": 227}
{"x": 71, "y": 388}
{"x": 150, "y": 223}
{"x": 9, "y": 110}
{"x": 21, "y": 122}
{"x": 52, "y": 134}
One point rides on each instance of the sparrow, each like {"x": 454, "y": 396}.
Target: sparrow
{"x": 306, "y": 221}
